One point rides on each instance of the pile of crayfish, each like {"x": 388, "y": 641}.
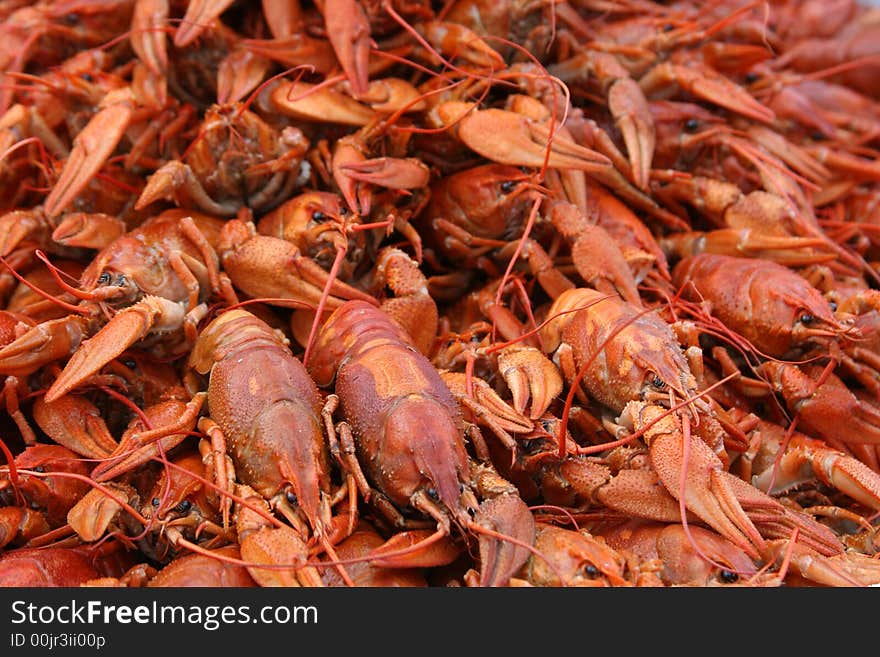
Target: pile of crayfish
{"x": 410, "y": 293}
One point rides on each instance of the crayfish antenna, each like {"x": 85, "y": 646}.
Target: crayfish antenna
{"x": 63, "y": 304}
{"x": 341, "y": 251}
{"x": 56, "y": 274}
{"x": 331, "y": 552}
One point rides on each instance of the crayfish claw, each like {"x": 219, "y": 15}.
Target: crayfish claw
{"x": 199, "y": 15}
{"x": 526, "y": 142}
{"x": 708, "y": 85}
{"x": 126, "y": 328}
{"x": 702, "y": 488}
{"x": 505, "y": 517}
{"x": 91, "y": 148}
{"x": 42, "y": 344}
{"x": 846, "y": 569}
{"x": 148, "y": 34}
{"x": 485, "y": 406}
{"x": 529, "y": 374}
{"x": 633, "y": 116}
{"x": 349, "y": 32}
{"x": 265, "y": 544}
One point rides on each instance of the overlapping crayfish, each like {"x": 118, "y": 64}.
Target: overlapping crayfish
{"x": 473, "y": 293}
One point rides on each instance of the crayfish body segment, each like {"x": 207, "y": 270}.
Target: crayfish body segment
{"x": 409, "y": 435}
{"x": 268, "y": 411}
{"x": 773, "y": 307}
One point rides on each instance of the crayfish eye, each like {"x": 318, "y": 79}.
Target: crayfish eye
{"x": 129, "y": 363}
{"x": 691, "y": 125}
{"x": 319, "y": 216}
{"x": 658, "y": 383}
{"x": 343, "y": 210}
{"x": 507, "y": 186}
{"x": 104, "y": 278}
{"x": 155, "y": 501}
{"x": 183, "y": 507}
{"x": 818, "y": 136}
{"x": 38, "y": 468}
{"x": 432, "y": 493}
{"x": 668, "y": 27}
{"x": 806, "y": 319}
{"x": 728, "y": 577}
{"x": 121, "y": 281}
{"x": 591, "y": 571}
{"x": 292, "y": 498}
{"x": 87, "y": 77}
{"x": 833, "y": 306}
{"x": 752, "y": 77}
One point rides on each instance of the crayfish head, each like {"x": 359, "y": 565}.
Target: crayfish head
{"x": 495, "y": 197}
{"x": 580, "y": 558}
{"x": 666, "y": 375}
{"x": 822, "y": 329}
{"x": 430, "y": 474}
{"x": 305, "y": 217}
{"x": 323, "y": 242}
{"x": 672, "y": 386}
{"x": 54, "y": 494}
{"x": 178, "y": 496}
{"x": 116, "y": 288}
{"x": 320, "y": 224}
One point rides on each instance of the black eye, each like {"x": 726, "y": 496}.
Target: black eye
{"x": 292, "y": 498}
{"x": 591, "y": 571}
{"x": 319, "y": 216}
{"x": 184, "y": 506}
{"x": 507, "y": 186}
{"x": 155, "y": 501}
{"x": 343, "y": 211}
{"x": 752, "y": 77}
{"x": 818, "y": 136}
{"x": 129, "y": 363}
{"x": 668, "y": 27}
{"x": 104, "y": 278}
{"x": 691, "y": 125}
{"x": 121, "y": 281}
{"x": 432, "y": 493}
{"x": 658, "y": 383}
{"x": 728, "y": 577}
{"x": 806, "y": 319}
{"x": 39, "y": 468}
{"x": 833, "y": 306}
